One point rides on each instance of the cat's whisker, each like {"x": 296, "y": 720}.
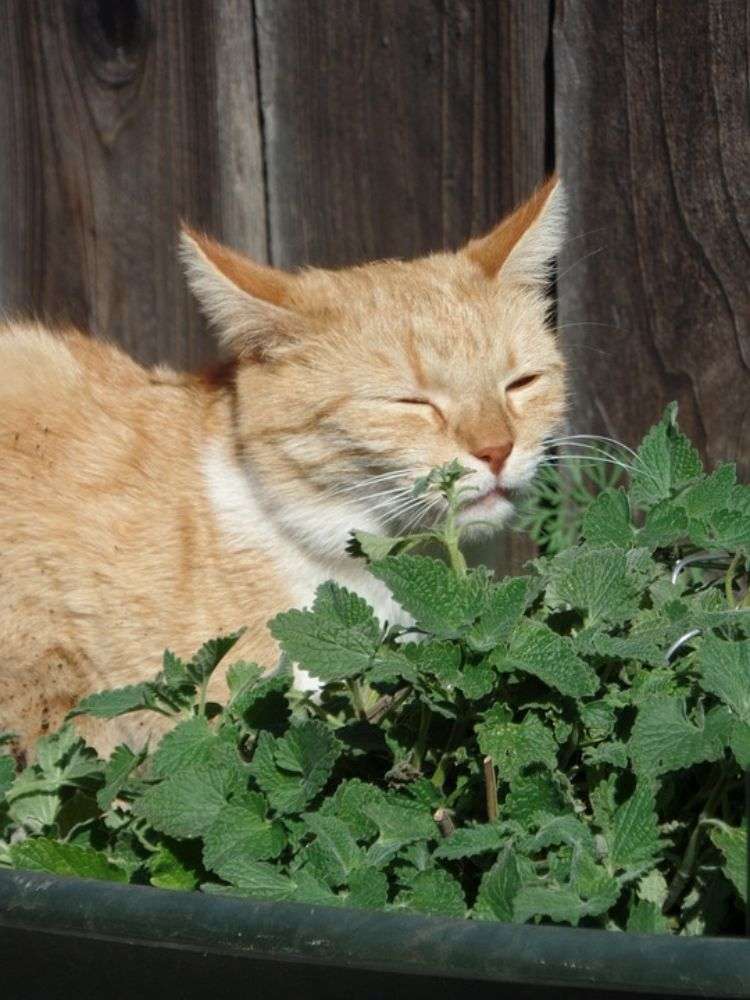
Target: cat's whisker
{"x": 556, "y": 460}
{"x": 592, "y": 437}
{"x": 367, "y": 483}
{"x": 591, "y": 253}
{"x": 593, "y": 452}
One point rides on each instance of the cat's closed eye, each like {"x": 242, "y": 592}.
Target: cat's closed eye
{"x": 523, "y": 381}
{"x": 419, "y": 401}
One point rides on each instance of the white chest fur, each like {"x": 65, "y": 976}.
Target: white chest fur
{"x": 246, "y": 525}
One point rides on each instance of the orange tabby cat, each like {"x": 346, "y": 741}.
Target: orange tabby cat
{"x": 141, "y": 509}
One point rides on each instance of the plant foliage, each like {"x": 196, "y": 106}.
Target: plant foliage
{"x": 541, "y": 748}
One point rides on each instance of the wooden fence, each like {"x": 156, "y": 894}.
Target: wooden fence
{"x": 331, "y": 131}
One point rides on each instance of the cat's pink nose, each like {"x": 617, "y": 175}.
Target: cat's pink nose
{"x": 495, "y": 456}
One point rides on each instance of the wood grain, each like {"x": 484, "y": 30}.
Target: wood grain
{"x": 111, "y": 126}
{"x": 395, "y": 128}
{"x": 654, "y": 293}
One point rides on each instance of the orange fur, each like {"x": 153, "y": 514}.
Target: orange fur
{"x": 144, "y": 509}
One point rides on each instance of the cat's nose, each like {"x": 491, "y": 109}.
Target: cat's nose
{"x": 495, "y": 456}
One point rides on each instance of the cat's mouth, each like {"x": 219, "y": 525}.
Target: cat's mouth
{"x": 486, "y": 499}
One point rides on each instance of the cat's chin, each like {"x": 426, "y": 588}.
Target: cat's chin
{"x": 486, "y": 515}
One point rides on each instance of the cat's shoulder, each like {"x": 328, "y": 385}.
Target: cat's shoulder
{"x": 35, "y": 358}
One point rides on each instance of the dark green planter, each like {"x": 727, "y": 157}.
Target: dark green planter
{"x": 65, "y": 937}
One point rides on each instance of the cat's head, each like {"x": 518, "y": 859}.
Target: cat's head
{"x": 351, "y": 384}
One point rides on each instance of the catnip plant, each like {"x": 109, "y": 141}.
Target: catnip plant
{"x": 565, "y": 746}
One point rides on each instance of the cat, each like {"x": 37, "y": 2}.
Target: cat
{"x": 143, "y": 509}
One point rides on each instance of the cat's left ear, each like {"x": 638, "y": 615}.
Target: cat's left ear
{"x": 245, "y": 301}
{"x": 522, "y": 246}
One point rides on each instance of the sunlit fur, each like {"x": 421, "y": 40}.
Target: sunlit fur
{"x": 141, "y": 509}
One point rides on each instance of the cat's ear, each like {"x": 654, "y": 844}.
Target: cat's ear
{"x": 244, "y": 301}
{"x": 522, "y": 246}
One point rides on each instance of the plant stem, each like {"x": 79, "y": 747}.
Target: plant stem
{"x": 729, "y": 579}
{"x": 385, "y": 705}
{"x": 356, "y": 695}
{"x": 438, "y": 778}
{"x": 490, "y": 789}
{"x": 443, "y": 819}
{"x": 425, "y": 717}
{"x": 687, "y": 864}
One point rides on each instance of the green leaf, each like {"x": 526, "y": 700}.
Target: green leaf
{"x": 664, "y": 739}
{"x": 45, "y": 855}
{"x": 186, "y": 804}
{"x": 118, "y": 701}
{"x": 646, "y": 918}
{"x": 471, "y": 840}
{"x": 732, "y": 842}
{"x": 664, "y": 525}
{"x": 500, "y": 886}
{"x": 504, "y": 605}
{"x": 195, "y": 743}
{"x": 210, "y": 655}
{"x": 555, "y": 830}
{"x": 368, "y": 889}
{"x": 666, "y": 461}
{"x": 435, "y": 892}
{"x": 168, "y": 870}
{"x": 335, "y": 850}
{"x": 709, "y": 495}
{"x": 399, "y": 822}
{"x": 532, "y": 792}
{"x": 7, "y": 774}
{"x": 440, "y": 601}
{"x": 513, "y": 745}
{"x": 724, "y": 669}
{"x": 560, "y": 903}
{"x": 607, "y": 520}
{"x": 635, "y": 839}
{"x": 120, "y": 766}
{"x": 373, "y": 547}
{"x": 291, "y": 770}
{"x": 536, "y": 649}
{"x": 260, "y": 880}
{"x": 174, "y": 670}
{"x": 594, "y": 581}
{"x": 349, "y": 802}
{"x": 241, "y": 832}
{"x": 337, "y": 639}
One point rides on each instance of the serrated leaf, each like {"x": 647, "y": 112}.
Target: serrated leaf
{"x": 536, "y": 649}
{"x": 613, "y": 752}
{"x": 665, "y": 523}
{"x": 185, "y": 804}
{"x": 532, "y": 792}
{"x": 399, "y": 822}
{"x": 45, "y": 855}
{"x": 712, "y": 493}
{"x": 503, "y": 606}
{"x": 348, "y": 804}
{"x": 595, "y": 581}
{"x": 666, "y": 460}
{"x": 174, "y": 669}
{"x": 118, "y": 701}
{"x": 436, "y": 892}
{"x": 337, "y": 639}
{"x": 732, "y": 842}
{"x": 468, "y": 841}
{"x": 441, "y": 602}
{"x": 210, "y": 655}
{"x": 368, "y": 889}
{"x": 336, "y": 851}
{"x": 635, "y": 840}
{"x": 7, "y": 774}
{"x": 500, "y": 886}
{"x": 193, "y": 743}
{"x": 239, "y": 833}
{"x": 168, "y": 870}
{"x": 120, "y": 766}
{"x": 664, "y": 739}
{"x": 607, "y": 520}
{"x": 555, "y": 830}
{"x": 259, "y": 880}
{"x": 560, "y": 903}
{"x": 645, "y": 917}
{"x": 373, "y": 547}
{"x": 292, "y": 769}
{"x": 515, "y": 745}
{"x": 724, "y": 669}
{"x": 653, "y": 888}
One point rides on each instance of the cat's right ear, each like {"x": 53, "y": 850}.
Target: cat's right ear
{"x": 246, "y": 302}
